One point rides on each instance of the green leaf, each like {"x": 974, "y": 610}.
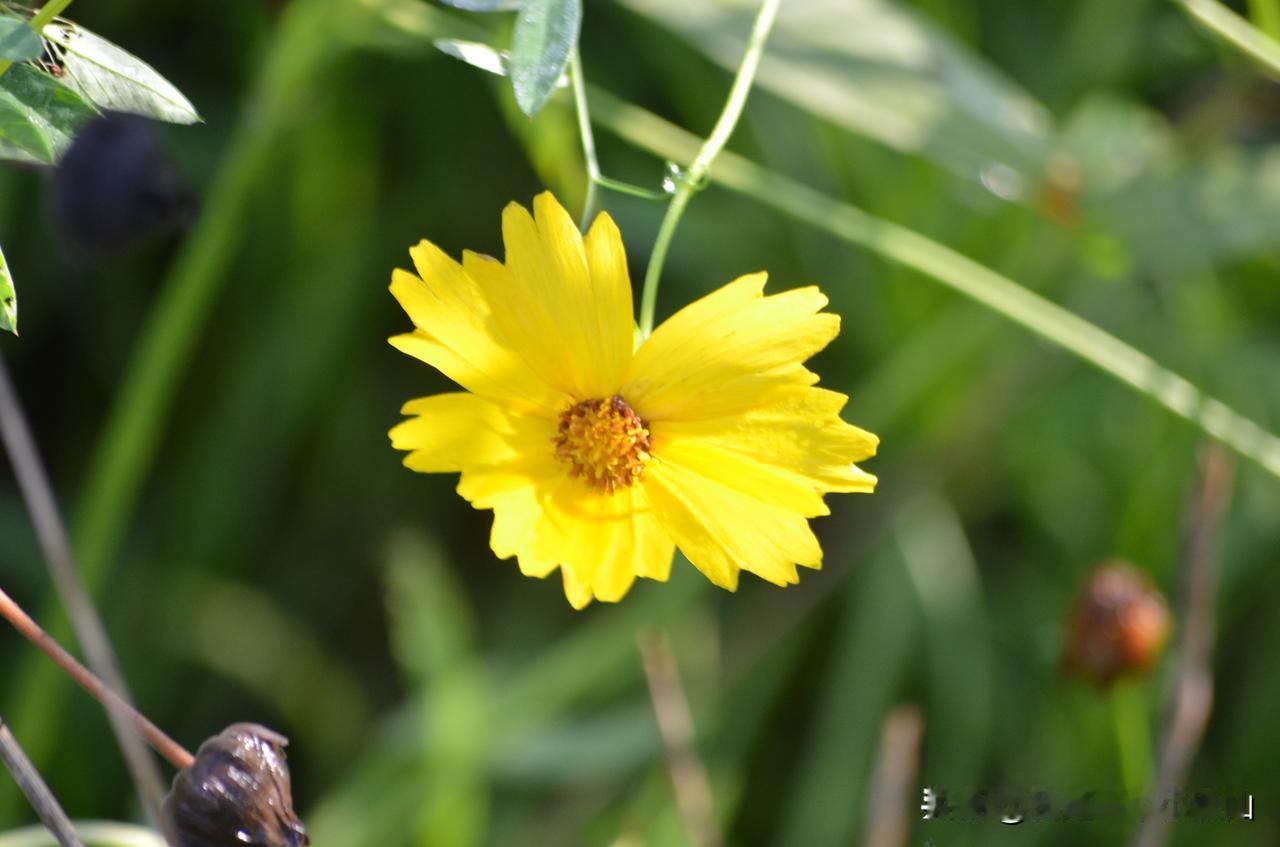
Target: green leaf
{"x": 546, "y": 33}
{"x": 113, "y": 79}
{"x": 484, "y": 5}
{"x": 18, "y": 42}
{"x": 876, "y": 69}
{"x": 476, "y": 54}
{"x": 38, "y": 115}
{"x": 8, "y": 299}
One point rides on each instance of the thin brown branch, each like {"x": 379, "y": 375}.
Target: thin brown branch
{"x": 675, "y": 724}
{"x": 1191, "y": 697}
{"x": 893, "y": 781}
{"x": 36, "y": 792}
{"x": 160, "y": 742}
{"x": 51, "y": 531}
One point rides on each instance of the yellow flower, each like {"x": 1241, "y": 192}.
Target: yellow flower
{"x": 600, "y": 457}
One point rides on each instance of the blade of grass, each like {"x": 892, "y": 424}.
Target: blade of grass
{"x": 876, "y": 633}
{"x": 947, "y": 589}
{"x": 989, "y": 288}
{"x": 1265, "y": 15}
{"x": 1235, "y": 31}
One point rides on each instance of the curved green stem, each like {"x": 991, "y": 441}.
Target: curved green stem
{"x": 46, "y": 14}
{"x": 588, "y": 138}
{"x": 696, "y": 175}
{"x": 629, "y": 189}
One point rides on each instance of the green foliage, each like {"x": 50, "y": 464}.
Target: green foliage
{"x": 545, "y": 35}
{"x": 8, "y": 299}
{"x": 18, "y": 42}
{"x": 476, "y": 54}
{"x": 38, "y": 115}
{"x": 485, "y": 5}
{"x": 260, "y": 553}
{"x": 113, "y": 79}
{"x": 880, "y": 70}
{"x": 40, "y": 112}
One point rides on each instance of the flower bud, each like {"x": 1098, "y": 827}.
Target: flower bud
{"x": 1118, "y": 625}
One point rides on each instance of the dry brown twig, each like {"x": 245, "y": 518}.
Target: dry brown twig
{"x": 894, "y": 778}
{"x": 1191, "y": 697}
{"x": 34, "y": 789}
{"x": 675, "y": 724}
{"x": 42, "y": 505}
{"x": 152, "y": 734}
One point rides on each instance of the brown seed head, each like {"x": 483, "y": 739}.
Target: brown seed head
{"x": 1118, "y": 625}
{"x": 236, "y": 793}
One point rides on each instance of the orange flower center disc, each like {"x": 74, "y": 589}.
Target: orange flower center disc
{"x": 604, "y": 442}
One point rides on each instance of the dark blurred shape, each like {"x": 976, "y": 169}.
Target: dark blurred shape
{"x": 236, "y": 793}
{"x": 1118, "y": 625}
{"x": 117, "y": 187}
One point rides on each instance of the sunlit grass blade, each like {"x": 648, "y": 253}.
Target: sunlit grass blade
{"x": 1235, "y": 31}
{"x": 955, "y": 270}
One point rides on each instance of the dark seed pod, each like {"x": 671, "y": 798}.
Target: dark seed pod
{"x": 236, "y": 793}
{"x": 117, "y": 187}
{"x": 1118, "y": 625}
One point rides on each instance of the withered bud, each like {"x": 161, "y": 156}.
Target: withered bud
{"x": 1118, "y": 625}
{"x": 236, "y": 793}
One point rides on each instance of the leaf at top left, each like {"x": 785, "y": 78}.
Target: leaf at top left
{"x": 38, "y": 115}
{"x": 113, "y": 79}
{"x": 18, "y": 42}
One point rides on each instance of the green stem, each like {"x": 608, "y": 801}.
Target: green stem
{"x": 629, "y": 189}
{"x": 1236, "y": 31}
{"x": 1133, "y": 736}
{"x": 588, "y": 138}
{"x": 47, "y": 13}
{"x": 1266, "y": 16}
{"x": 957, "y": 271}
{"x": 696, "y": 175}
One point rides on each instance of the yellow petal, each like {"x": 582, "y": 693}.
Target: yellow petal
{"x": 763, "y": 480}
{"x": 717, "y": 355}
{"x": 586, "y": 317}
{"x": 460, "y": 431}
{"x": 611, "y": 283}
{"x": 456, "y": 335}
{"x": 578, "y": 591}
{"x": 797, "y": 429}
{"x": 515, "y": 515}
{"x": 722, "y": 530}
{"x": 602, "y": 542}
{"x": 520, "y": 313}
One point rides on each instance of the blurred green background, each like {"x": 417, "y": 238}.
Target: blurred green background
{"x": 279, "y": 565}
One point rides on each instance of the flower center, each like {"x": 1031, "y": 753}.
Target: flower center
{"x": 604, "y": 442}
